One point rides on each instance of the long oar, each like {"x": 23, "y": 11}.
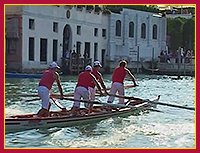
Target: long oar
{"x": 173, "y": 105}
{"x": 55, "y": 95}
{"x": 125, "y": 87}
{"x": 36, "y": 95}
{"x": 58, "y": 104}
{"x": 158, "y": 103}
{"x": 55, "y": 101}
{"x": 106, "y": 104}
{"x": 72, "y": 94}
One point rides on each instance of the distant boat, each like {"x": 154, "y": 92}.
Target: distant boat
{"x": 22, "y": 75}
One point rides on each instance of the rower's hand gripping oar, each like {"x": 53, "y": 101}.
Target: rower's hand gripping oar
{"x": 153, "y": 102}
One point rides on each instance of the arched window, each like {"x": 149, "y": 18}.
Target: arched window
{"x": 131, "y": 29}
{"x": 118, "y": 28}
{"x": 155, "y": 31}
{"x": 143, "y": 30}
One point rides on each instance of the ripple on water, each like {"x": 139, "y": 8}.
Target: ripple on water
{"x": 174, "y": 128}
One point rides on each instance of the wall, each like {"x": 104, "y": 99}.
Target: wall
{"x": 45, "y": 16}
{"x": 116, "y": 47}
{"x": 125, "y": 47}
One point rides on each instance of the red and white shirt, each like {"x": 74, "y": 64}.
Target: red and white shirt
{"x": 85, "y": 79}
{"x": 47, "y": 79}
{"x": 119, "y": 75}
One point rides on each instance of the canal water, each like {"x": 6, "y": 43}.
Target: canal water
{"x": 171, "y": 128}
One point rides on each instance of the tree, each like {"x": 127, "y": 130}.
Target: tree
{"x": 118, "y": 8}
{"x": 174, "y": 30}
{"x": 181, "y": 33}
{"x": 189, "y": 34}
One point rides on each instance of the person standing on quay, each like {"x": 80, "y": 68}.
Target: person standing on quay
{"x": 118, "y": 77}
{"x": 49, "y": 77}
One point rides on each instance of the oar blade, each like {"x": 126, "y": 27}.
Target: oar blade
{"x": 176, "y": 106}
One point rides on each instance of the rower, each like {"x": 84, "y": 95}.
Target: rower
{"x": 81, "y": 91}
{"x": 92, "y": 90}
{"x": 118, "y": 77}
{"x": 49, "y": 77}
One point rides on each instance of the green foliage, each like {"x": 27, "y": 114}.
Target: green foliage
{"x": 181, "y": 33}
{"x": 175, "y": 32}
{"x": 80, "y": 6}
{"x": 114, "y": 8}
{"x": 151, "y": 8}
{"x": 118, "y": 8}
{"x": 89, "y": 7}
{"x": 188, "y": 34}
{"x": 97, "y": 8}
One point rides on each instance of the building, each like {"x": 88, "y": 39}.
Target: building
{"x": 78, "y": 35}
{"x": 136, "y": 36}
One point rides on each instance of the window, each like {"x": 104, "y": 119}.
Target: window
{"x": 104, "y": 33}
{"x": 31, "y": 49}
{"x": 96, "y": 32}
{"x": 78, "y": 47}
{"x": 155, "y": 31}
{"x": 55, "y": 49}
{"x": 43, "y": 50}
{"x": 78, "y": 30}
{"x": 131, "y": 29}
{"x": 95, "y": 51}
{"x": 11, "y": 45}
{"x": 31, "y": 24}
{"x": 55, "y": 27}
{"x": 87, "y": 50}
{"x": 143, "y": 30}
{"x": 118, "y": 28}
{"x": 68, "y": 14}
{"x": 103, "y": 52}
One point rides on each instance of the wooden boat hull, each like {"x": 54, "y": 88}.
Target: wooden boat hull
{"x": 58, "y": 119}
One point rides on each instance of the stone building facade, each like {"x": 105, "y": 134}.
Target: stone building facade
{"x": 37, "y": 35}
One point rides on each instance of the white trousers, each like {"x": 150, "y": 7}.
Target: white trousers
{"x": 80, "y": 92}
{"x": 43, "y": 93}
{"x": 116, "y": 87}
{"x": 92, "y": 92}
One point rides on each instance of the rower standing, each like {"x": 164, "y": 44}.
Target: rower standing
{"x": 49, "y": 77}
{"x": 82, "y": 88}
{"x": 118, "y": 77}
{"x": 96, "y": 72}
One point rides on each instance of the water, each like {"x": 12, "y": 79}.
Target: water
{"x": 171, "y": 128}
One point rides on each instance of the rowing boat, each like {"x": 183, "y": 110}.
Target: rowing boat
{"x": 65, "y": 119}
